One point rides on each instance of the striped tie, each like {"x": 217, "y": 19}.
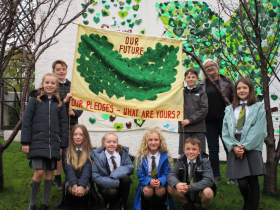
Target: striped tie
{"x": 154, "y": 168}
{"x": 241, "y": 118}
{"x": 114, "y": 162}
{"x": 78, "y": 154}
{"x": 192, "y": 195}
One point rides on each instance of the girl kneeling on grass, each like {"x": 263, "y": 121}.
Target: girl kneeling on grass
{"x": 44, "y": 134}
{"x": 244, "y": 129}
{"x": 153, "y": 164}
{"x": 111, "y": 170}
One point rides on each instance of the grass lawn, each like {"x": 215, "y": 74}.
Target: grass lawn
{"x": 17, "y": 178}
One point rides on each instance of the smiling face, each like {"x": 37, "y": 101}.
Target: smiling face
{"x": 211, "y": 68}
{"x": 60, "y": 70}
{"x": 110, "y": 143}
{"x": 49, "y": 85}
{"x": 153, "y": 143}
{"x": 191, "y": 80}
{"x": 243, "y": 91}
{"x": 191, "y": 151}
{"x": 78, "y": 137}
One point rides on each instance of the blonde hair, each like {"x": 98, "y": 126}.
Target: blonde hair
{"x": 71, "y": 155}
{"x": 42, "y": 91}
{"x": 201, "y": 73}
{"x": 119, "y": 146}
{"x": 144, "y": 149}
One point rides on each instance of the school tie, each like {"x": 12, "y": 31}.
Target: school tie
{"x": 78, "y": 153}
{"x": 241, "y": 118}
{"x": 154, "y": 168}
{"x": 114, "y": 162}
{"x": 192, "y": 195}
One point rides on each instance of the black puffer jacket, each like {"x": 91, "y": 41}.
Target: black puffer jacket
{"x": 44, "y": 127}
{"x": 195, "y": 110}
{"x": 63, "y": 89}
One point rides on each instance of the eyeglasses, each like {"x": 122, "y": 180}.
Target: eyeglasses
{"x": 207, "y": 67}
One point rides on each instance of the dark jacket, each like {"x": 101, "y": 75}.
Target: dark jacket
{"x": 71, "y": 175}
{"x": 100, "y": 172}
{"x": 226, "y": 86}
{"x": 195, "y": 110}
{"x": 44, "y": 127}
{"x": 63, "y": 89}
{"x": 203, "y": 174}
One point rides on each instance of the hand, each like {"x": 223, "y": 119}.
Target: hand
{"x": 67, "y": 98}
{"x": 119, "y": 182}
{"x": 185, "y": 122}
{"x": 74, "y": 189}
{"x": 183, "y": 188}
{"x": 71, "y": 112}
{"x": 239, "y": 151}
{"x": 25, "y": 149}
{"x": 153, "y": 183}
{"x": 156, "y": 183}
{"x": 60, "y": 151}
{"x": 80, "y": 191}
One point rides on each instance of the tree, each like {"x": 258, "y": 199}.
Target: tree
{"x": 24, "y": 28}
{"x": 246, "y": 45}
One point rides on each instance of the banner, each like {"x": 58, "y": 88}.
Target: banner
{"x": 127, "y": 75}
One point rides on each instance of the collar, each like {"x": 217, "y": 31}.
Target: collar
{"x": 108, "y": 155}
{"x": 157, "y": 155}
{"x": 63, "y": 82}
{"x": 190, "y": 88}
{"x": 194, "y": 161}
{"x": 242, "y": 102}
{"x": 79, "y": 149}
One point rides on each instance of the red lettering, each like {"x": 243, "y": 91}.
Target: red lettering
{"x": 73, "y": 102}
{"x": 141, "y": 50}
{"x": 136, "y": 41}
{"x": 126, "y": 40}
{"x": 131, "y": 41}
{"x": 151, "y": 115}
{"x": 81, "y": 103}
{"x": 112, "y": 108}
{"x": 96, "y": 106}
{"x": 137, "y": 50}
{"x": 121, "y": 47}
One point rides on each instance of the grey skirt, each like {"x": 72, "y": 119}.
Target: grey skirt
{"x": 43, "y": 164}
{"x": 251, "y": 164}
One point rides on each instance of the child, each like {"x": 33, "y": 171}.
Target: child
{"x": 60, "y": 69}
{"x": 111, "y": 170}
{"x": 244, "y": 129}
{"x": 191, "y": 180}
{"x": 195, "y": 111}
{"x": 153, "y": 165}
{"x": 44, "y": 134}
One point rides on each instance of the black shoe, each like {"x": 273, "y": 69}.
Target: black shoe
{"x": 31, "y": 207}
{"x": 123, "y": 206}
{"x": 57, "y": 184}
{"x": 189, "y": 206}
{"x": 246, "y": 205}
{"x": 44, "y": 207}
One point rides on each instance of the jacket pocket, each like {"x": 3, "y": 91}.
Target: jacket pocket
{"x": 58, "y": 137}
{"x": 36, "y": 135}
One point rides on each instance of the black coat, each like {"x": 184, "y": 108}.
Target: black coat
{"x": 44, "y": 127}
{"x": 195, "y": 110}
{"x": 71, "y": 175}
{"x": 63, "y": 89}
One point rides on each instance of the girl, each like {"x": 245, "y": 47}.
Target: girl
{"x": 153, "y": 164}
{"x": 244, "y": 129}
{"x": 77, "y": 164}
{"x": 44, "y": 134}
{"x": 111, "y": 171}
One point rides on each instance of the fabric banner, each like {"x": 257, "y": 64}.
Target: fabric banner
{"x": 127, "y": 75}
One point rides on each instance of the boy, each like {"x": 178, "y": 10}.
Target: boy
{"x": 191, "y": 180}
{"x": 195, "y": 111}
{"x": 60, "y": 69}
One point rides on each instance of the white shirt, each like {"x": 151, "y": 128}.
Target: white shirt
{"x": 79, "y": 149}
{"x": 149, "y": 157}
{"x": 189, "y": 166}
{"x": 190, "y": 88}
{"x": 62, "y": 82}
{"x": 237, "y": 112}
{"x": 117, "y": 159}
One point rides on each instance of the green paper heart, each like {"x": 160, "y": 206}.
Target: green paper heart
{"x": 138, "y": 22}
{"x": 142, "y": 31}
{"x": 139, "y": 122}
{"x": 121, "y": 8}
{"x": 107, "y": 6}
{"x": 222, "y": 71}
{"x": 128, "y": 1}
{"x": 121, "y": 3}
{"x": 105, "y": 116}
{"x": 278, "y": 131}
{"x": 113, "y": 18}
{"x": 84, "y": 15}
{"x": 123, "y": 14}
{"x": 83, "y": 5}
{"x": 178, "y": 31}
{"x": 128, "y": 20}
{"x": 90, "y": 10}
{"x": 137, "y": 1}
{"x": 276, "y": 118}
{"x": 98, "y": 14}
{"x": 123, "y": 23}
{"x": 92, "y": 120}
{"x": 118, "y": 126}
{"x": 274, "y": 97}
{"x": 128, "y": 8}
{"x": 96, "y": 19}
{"x": 131, "y": 25}
{"x": 103, "y": 1}
{"x": 135, "y": 7}
{"x": 105, "y": 13}
{"x": 85, "y": 22}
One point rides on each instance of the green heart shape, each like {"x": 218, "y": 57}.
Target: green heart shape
{"x": 105, "y": 13}
{"x": 131, "y": 25}
{"x": 85, "y": 22}
{"x": 121, "y": 3}
{"x": 118, "y": 126}
{"x": 278, "y": 131}
{"x": 135, "y": 7}
{"x": 105, "y": 116}
{"x": 107, "y": 6}
{"x": 137, "y": 1}
{"x": 222, "y": 71}
{"x": 138, "y": 22}
{"x": 103, "y": 2}
{"x": 123, "y": 23}
{"x": 276, "y": 118}
{"x": 128, "y": 20}
{"x": 96, "y": 19}
{"x": 90, "y": 10}
{"x": 139, "y": 122}
{"x": 128, "y": 1}
{"x": 178, "y": 31}
{"x": 121, "y": 8}
{"x": 128, "y": 8}
{"x": 123, "y": 14}
{"x": 142, "y": 31}
{"x": 84, "y": 15}
{"x": 274, "y": 97}
{"x": 92, "y": 120}
{"x": 83, "y": 5}
{"x": 98, "y": 14}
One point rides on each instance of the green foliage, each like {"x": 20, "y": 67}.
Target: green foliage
{"x": 140, "y": 78}
{"x": 12, "y": 114}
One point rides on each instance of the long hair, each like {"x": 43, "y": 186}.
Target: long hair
{"x": 251, "y": 97}
{"x": 201, "y": 73}
{"x": 119, "y": 146}
{"x": 71, "y": 155}
{"x": 42, "y": 91}
{"x": 144, "y": 149}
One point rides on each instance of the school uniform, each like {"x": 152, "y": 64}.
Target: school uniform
{"x": 144, "y": 176}
{"x": 251, "y": 136}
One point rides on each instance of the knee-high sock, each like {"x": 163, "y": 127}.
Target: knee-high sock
{"x": 47, "y": 191}
{"x": 35, "y": 186}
